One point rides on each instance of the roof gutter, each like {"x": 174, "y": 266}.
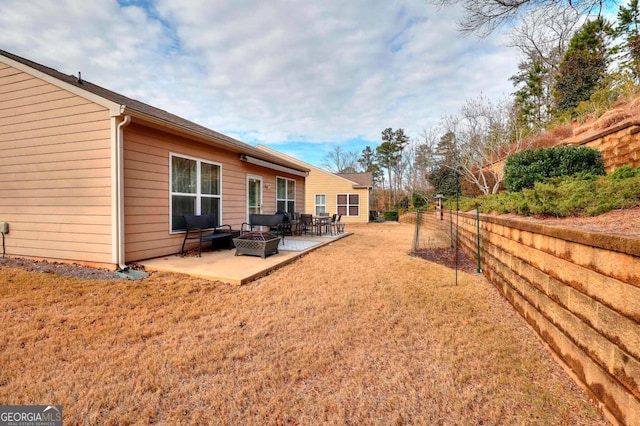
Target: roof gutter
{"x": 272, "y": 166}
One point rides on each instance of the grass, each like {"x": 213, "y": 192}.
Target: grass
{"x": 357, "y": 332}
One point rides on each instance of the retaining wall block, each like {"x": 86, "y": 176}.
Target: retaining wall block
{"x": 579, "y": 291}
{"x": 627, "y": 370}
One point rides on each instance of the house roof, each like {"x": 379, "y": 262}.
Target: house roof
{"x": 359, "y": 180}
{"x": 155, "y": 115}
{"x": 364, "y": 180}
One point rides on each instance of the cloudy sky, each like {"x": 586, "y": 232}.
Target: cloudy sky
{"x": 299, "y": 77}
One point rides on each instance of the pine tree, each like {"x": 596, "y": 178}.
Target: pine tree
{"x": 368, "y": 163}
{"x": 628, "y": 29}
{"x": 446, "y": 176}
{"x": 583, "y": 66}
{"x": 389, "y": 154}
{"x": 532, "y": 100}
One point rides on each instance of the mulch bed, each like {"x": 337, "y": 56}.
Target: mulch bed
{"x": 59, "y": 268}
{"x": 441, "y": 256}
{"x": 447, "y": 257}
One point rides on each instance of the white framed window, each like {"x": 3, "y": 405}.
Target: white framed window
{"x": 348, "y": 204}
{"x": 321, "y": 204}
{"x": 285, "y": 195}
{"x": 195, "y": 188}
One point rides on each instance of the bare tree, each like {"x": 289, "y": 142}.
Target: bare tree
{"x": 341, "y": 161}
{"x": 482, "y": 17}
{"x": 404, "y": 169}
{"x": 421, "y": 154}
{"x": 543, "y": 37}
{"x": 417, "y": 163}
{"x": 545, "y": 34}
{"x": 485, "y": 134}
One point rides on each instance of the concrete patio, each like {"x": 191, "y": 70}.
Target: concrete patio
{"x": 223, "y": 265}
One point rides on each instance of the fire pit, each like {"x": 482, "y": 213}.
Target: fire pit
{"x": 257, "y": 244}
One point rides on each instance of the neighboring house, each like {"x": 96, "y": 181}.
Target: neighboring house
{"x": 91, "y": 176}
{"x": 347, "y": 194}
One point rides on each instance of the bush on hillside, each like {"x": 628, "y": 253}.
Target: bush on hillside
{"x": 564, "y": 196}
{"x": 403, "y": 203}
{"x": 524, "y": 169}
{"x": 624, "y": 172}
{"x": 419, "y": 200}
{"x": 391, "y": 215}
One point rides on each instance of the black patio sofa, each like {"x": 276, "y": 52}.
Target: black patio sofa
{"x": 205, "y": 228}
{"x": 273, "y": 221}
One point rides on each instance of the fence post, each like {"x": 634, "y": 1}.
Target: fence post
{"x": 451, "y": 225}
{"x": 457, "y": 234}
{"x": 416, "y": 237}
{"x": 479, "y": 270}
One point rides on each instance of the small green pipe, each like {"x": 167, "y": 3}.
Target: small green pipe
{"x": 416, "y": 238}
{"x": 479, "y": 270}
{"x": 457, "y": 234}
{"x": 451, "y": 225}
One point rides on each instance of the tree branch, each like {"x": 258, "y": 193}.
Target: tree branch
{"x": 482, "y": 17}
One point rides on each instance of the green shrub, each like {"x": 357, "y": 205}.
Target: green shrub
{"x": 419, "y": 201}
{"x": 624, "y": 172}
{"x": 391, "y": 215}
{"x": 522, "y": 170}
{"x": 615, "y": 87}
{"x": 403, "y": 203}
{"x": 581, "y": 194}
{"x": 615, "y": 194}
{"x": 519, "y": 204}
{"x": 465, "y": 203}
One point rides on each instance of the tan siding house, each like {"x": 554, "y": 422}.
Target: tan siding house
{"x": 346, "y": 194}
{"x": 85, "y": 173}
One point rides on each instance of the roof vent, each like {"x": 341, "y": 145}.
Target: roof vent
{"x": 79, "y": 77}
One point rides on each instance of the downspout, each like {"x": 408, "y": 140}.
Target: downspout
{"x": 120, "y": 192}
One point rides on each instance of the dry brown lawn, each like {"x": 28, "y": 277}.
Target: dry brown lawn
{"x": 357, "y": 332}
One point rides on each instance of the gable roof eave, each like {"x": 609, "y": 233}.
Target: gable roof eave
{"x": 118, "y": 105}
{"x": 210, "y": 137}
{"x": 48, "y": 74}
{"x": 311, "y": 167}
{"x": 361, "y": 180}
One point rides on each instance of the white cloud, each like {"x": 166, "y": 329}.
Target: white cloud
{"x": 270, "y": 72}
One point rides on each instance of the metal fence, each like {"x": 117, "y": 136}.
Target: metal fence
{"x": 437, "y": 229}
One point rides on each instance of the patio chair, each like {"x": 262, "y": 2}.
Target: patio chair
{"x": 323, "y": 224}
{"x": 331, "y": 226}
{"x": 339, "y": 226}
{"x": 306, "y": 223}
{"x": 285, "y": 226}
{"x": 295, "y": 223}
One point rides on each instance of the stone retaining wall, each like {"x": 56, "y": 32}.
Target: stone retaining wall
{"x": 580, "y": 292}
{"x": 618, "y": 144}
